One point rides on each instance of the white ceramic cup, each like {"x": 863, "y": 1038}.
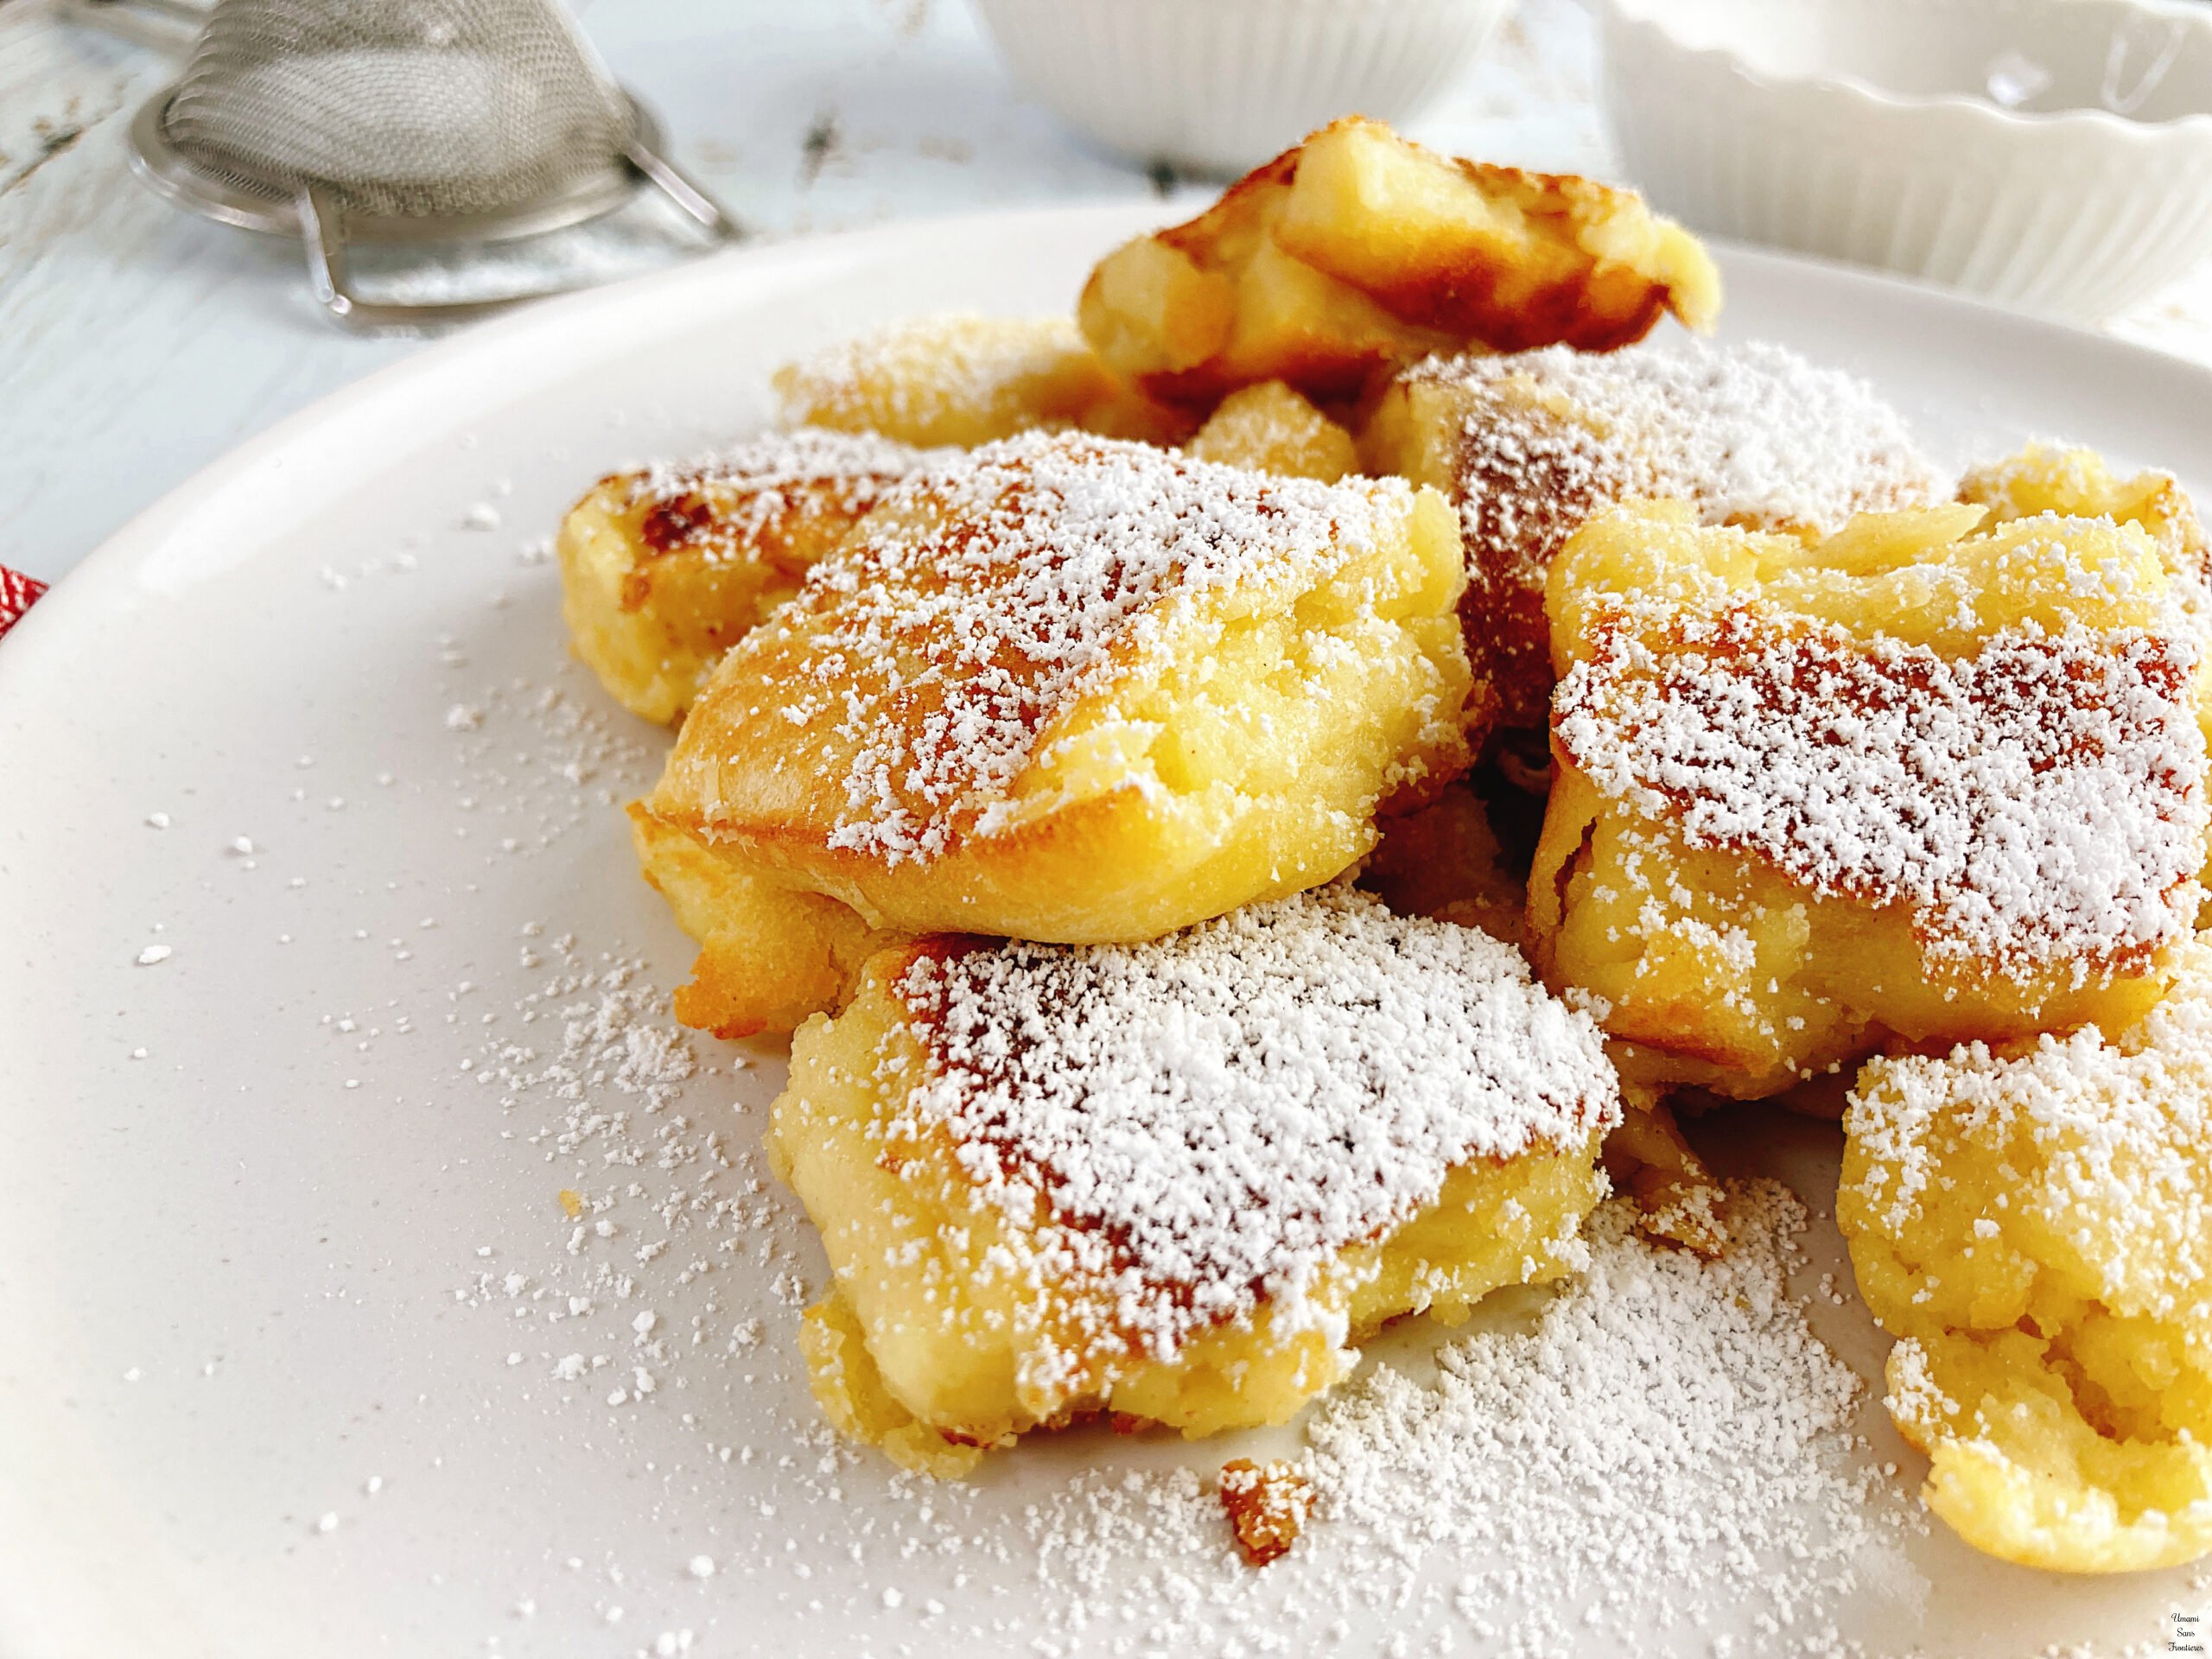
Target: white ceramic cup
{"x": 1221, "y": 85}
{"x": 2050, "y": 155}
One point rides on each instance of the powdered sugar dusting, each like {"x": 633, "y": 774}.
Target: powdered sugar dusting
{"x": 720, "y": 506}
{"x": 1005, "y": 584}
{"x": 2119, "y": 1130}
{"x": 1209, "y": 1118}
{"x": 1667, "y": 1460}
{"x": 2038, "y": 803}
{"x": 1752, "y": 433}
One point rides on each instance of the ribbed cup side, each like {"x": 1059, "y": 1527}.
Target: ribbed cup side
{"x": 1223, "y": 85}
{"x": 2057, "y": 224}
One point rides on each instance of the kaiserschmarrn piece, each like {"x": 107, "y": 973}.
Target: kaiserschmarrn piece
{"x": 2078, "y": 483}
{"x": 967, "y": 380}
{"x": 1270, "y": 428}
{"x": 1528, "y": 447}
{"x": 2035, "y": 1225}
{"x": 1174, "y": 1181}
{"x": 1914, "y": 781}
{"x": 1356, "y": 252}
{"x": 1074, "y": 689}
{"x": 1267, "y": 1504}
{"x": 663, "y": 569}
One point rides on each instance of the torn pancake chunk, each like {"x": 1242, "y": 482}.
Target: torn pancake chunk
{"x": 964, "y": 379}
{"x": 1357, "y": 252}
{"x": 1082, "y": 691}
{"x": 2034, "y": 1223}
{"x": 769, "y": 955}
{"x": 1529, "y": 445}
{"x": 663, "y": 569}
{"x": 1175, "y": 1180}
{"x": 1270, "y": 428}
{"x": 1912, "y": 780}
{"x": 2078, "y": 483}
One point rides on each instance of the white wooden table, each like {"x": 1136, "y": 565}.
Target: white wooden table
{"x": 138, "y": 343}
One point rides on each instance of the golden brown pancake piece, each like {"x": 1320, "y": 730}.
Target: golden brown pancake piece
{"x": 664, "y": 568}
{"x": 2034, "y": 1223}
{"x": 1529, "y": 445}
{"x": 1914, "y": 781}
{"x": 1070, "y": 689}
{"x": 1357, "y": 252}
{"x": 1174, "y": 1181}
{"x": 1270, "y": 428}
{"x": 965, "y": 380}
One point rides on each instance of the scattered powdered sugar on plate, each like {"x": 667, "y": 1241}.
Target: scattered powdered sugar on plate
{"x": 1666, "y": 1460}
{"x": 638, "y": 1181}
{"x": 589, "y": 1061}
{"x": 1210, "y": 1117}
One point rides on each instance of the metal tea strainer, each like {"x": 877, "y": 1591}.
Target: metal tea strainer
{"x": 376, "y": 122}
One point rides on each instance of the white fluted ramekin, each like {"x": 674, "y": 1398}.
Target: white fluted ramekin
{"x": 1221, "y": 85}
{"x": 1871, "y": 130}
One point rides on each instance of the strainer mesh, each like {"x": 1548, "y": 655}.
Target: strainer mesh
{"x": 400, "y": 108}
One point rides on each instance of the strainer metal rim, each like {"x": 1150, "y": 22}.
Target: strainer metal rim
{"x": 175, "y": 175}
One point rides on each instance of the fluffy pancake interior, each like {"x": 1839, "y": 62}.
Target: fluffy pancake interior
{"x": 2036, "y": 1223}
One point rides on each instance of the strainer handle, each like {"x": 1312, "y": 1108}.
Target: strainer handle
{"x": 322, "y": 228}
{"x": 685, "y": 192}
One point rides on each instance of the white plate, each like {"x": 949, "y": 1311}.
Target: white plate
{"x": 246, "y": 1275}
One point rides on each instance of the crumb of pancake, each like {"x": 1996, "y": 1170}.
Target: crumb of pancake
{"x": 1267, "y": 1504}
